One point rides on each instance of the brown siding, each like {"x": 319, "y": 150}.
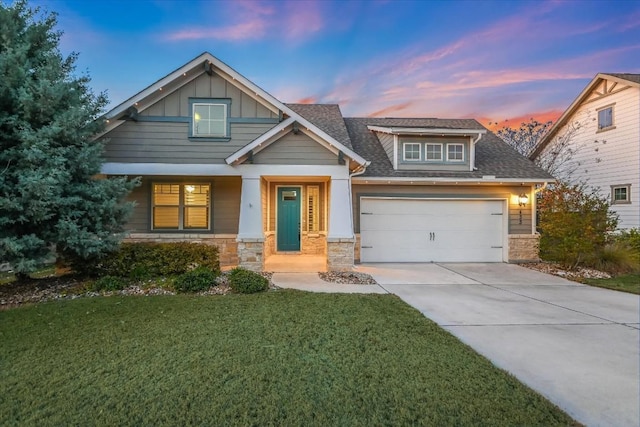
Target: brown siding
{"x": 295, "y": 149}
{"x": 162, "y": 142}
{"x": 502, "y": 192}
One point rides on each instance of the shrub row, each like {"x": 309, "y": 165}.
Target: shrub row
{"x": 140, "y": 261}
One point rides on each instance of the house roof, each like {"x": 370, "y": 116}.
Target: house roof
{"x": 493, "y": 156}
{"x": 627, "y": 79}
{"x": 327, "y": 117}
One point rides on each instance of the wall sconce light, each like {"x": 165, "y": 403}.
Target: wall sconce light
{"x": 523, "y": 199}
{"x": 190, "y": 188}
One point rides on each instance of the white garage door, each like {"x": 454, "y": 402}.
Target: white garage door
{"x": 419, "y": 230}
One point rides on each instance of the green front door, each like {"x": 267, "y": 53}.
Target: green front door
{"x": 288, "y": 231}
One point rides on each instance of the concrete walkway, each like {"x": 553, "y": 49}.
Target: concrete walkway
{"x": 577, "y": 345}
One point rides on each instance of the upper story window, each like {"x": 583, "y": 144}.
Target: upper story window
{"x": 433, "y": 152}
{"x": 455, "y": 152}
{"x": 605, "y": 118}
{"x": 209, "y": 118}
{"x": 411, "y": 151}
{"x": 620, "y": 194}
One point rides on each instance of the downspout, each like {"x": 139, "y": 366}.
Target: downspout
{"x": 472, "y": 153}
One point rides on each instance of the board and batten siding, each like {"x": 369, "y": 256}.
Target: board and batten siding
{"x": 176, "y": 104}
{"x": 611, "y": 156}
{"x": 225, "y": 203}
{"x": 294, "y": 149}
{"x": 168, "y": 142}
{"x": 520, "y": 219}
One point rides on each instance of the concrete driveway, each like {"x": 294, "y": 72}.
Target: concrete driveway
{"x": 575, "y": 344}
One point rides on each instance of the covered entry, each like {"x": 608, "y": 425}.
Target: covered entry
{"x": 427, "y": 230}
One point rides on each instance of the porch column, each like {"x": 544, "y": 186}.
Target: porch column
{"x": 340, "y": 240}
{"x": 250, "y": 234}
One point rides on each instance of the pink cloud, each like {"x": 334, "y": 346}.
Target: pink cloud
{"x": 243, "y": 31}
{"x": 391, "y": 109}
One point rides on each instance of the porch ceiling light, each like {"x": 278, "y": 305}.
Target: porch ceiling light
{"x": 523, "y": 199}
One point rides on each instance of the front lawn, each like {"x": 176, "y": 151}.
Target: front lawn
{"x": 280, "y": 358}
{"x": 626, "y": 283}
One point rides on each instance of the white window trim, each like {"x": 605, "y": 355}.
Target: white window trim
{"x": 404, "y": 151}
{"x": 441, "y": 152}
{"x": 627, "y": 201}
{"x": 224, "y": 120}
{"x": 613, "y": 118}
{"x": 455, "y": 160}
{"x": 181, "y": 206}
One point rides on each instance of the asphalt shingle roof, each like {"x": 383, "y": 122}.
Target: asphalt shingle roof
{"x": 327, "y": 117}
{"x": 627, "y": 76}
{"x": 493, "y": 156}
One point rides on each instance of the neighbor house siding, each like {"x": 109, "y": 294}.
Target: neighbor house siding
{"x": 295, "y": 149}
{"x": 517, "y": 224}
{"x": 608, "y": 157}
{"x": 162, "y": 142}
{"x": 225, "y": 203}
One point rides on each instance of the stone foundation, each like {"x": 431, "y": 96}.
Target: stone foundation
{"x": 226, "y": 243}
{"x": 356, "y": 249}
{"x": 250, "y": 254}
{"x": 524, "y": 248}
{"x": 340, "y": 254}
{"x": 269, "y": 244}
{"x": 313, "y": 244}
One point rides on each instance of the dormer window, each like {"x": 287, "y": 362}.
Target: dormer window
{"x": 455, "y": 152}
{"x": 209, "y": 118}
{"x": 433, "y": 152}
{"x": 411, "y": 152}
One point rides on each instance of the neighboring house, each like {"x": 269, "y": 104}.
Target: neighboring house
{"x": 226, "y": 163}
{"x": 601, "y": 131}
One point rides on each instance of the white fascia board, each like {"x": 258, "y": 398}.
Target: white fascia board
{"x": 439, "y": 180}
{"x": 262, "y": 139}
{"x": 425, "y": 131}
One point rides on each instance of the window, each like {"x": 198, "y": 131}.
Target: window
{"x": 433, "y": 152}
{"x": 313, "y": 208}
{"x": 455, "y": 152}
{"x": 620, "y": 194}
{"x": 411, "y": 151}
{"x": 209, "y": 120}
{"x": 180, "y": 206}
{"x": 605, "y": 118}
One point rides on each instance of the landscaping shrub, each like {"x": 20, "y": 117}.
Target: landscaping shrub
{"x": 140, "y": 261}
{"x": 200, "y": 279}
{"x": 108, "y": 283}
{"x": 617, "y": 258}
{"x": 631, "y": 238}
{"x": 574, "y": 224}
{"x": 246, "y": 281}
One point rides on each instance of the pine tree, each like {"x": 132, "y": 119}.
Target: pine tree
{"x": 51, "y": 197}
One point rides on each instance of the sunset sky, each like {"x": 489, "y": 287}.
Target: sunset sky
{"x": 491, "y": 61}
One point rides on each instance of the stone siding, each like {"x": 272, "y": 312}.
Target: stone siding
{"x": 524, "y": 248}
{"x": 340, "y": 254}
{"x": 356, "y": 249}
{"x": 226, "y": 243}
{"x": 313, "y": 244}
{"x": 251, "y": 254}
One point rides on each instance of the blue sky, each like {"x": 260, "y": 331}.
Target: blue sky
{"x": 493, "y": 61}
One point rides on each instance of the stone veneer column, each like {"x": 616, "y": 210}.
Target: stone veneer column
{"x": 524, "y": 247}
{"x": 340, "y": 241}
{"x": 250, "y": 234}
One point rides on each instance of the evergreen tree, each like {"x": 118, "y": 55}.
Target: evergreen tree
{"x": 50, "y": 195}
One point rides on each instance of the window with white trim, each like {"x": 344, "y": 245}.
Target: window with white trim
{"x": 180, "y": 206}
{"x": 455, "y": 152}
{"x": 605, "y": 118}
{"x": 209, "y": 120}
{"x": 411, "y": 151}
{"x": 433, "y": 152}
{"x": 620, "y": 194}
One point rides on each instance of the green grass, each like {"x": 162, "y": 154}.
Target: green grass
{"x": 279, "y": 358}
{"x": 626, "y": 283}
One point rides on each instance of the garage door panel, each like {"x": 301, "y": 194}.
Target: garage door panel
{"x": 401, "y": 230}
